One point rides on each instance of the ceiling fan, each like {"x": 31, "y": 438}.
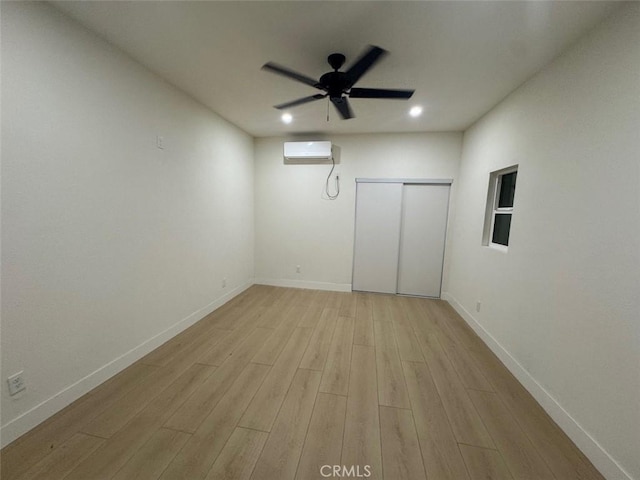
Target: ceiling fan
{"x": 338, "y": 86}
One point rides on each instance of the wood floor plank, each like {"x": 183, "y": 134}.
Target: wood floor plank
{"x": 320, "y": 298}
{"x": 442, "y": 458}
{"x": 422, "y": 325}
{"x": 408, "y": 347}
{"x": 240, "y": 316}
{"x": 23, "y": 453}
{"x": 392, "y": 390}
{"x": 555, "y": 447}
{"x": 412, "y": 308}
{"x": 521, "y": 458}
{"x": 237, "y": 459}
{"x": 126, "y": 407}
{"x": 334, "y": 300}
{"x": 502, "y": 381}
{"x": 335, "y": 378}
{"x": 185, "y": 341}
{"x": 484, "y": 463}
{"x": 149, "y": 462}
{"x": 273, "y": 316}
{"x": 311, "y": 317}
{"x": 212, "y": 318}
{"x": 247, "y": 305}
{"x": 380, "y": 308}
{"x": 202, "y": 449}
{"x": 435, "y": 314}
{"x": 348, "y": 305}
{"x": 272, "y": 296}
{"x": 281, "y": 453}
{"x": 364, "y": 301}
{"x": 63, "y": 459}
{"x": 397, "y": 311}
{"x": 303, "y": 296}
{"x": 116, "y": 451}
{"x": 361, "y": 444}
{"x": 455, "y": 326}
{"x": 248, "y": 296}
{"x": 467, "y": 369}
{"x": 461, "y": 343}
{"x": 270, "y": 350}
{"x": 222, "y": 350}
{"x": 363, "y": 333}
{"x": 286, "y": 299}
{"x": 195, "y": 409}
{"x": 463, "y": 417}
{"x": 264, "y": 408}
{"x": 563, "y": 457}
{"x": 456, "y": 348}
{"x": 323, "y": 443}
{"x": 401, "y": 457}
{"x": 315, "y": 356}
{"x": 558, "y": 451}
{"x": 461, "y": 399}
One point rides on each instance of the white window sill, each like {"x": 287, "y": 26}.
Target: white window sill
{"x": 498, "y": 247}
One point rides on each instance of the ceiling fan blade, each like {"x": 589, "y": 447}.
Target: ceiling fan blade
{"x": 364, "y": 63}
{"x": 380, "y": 93}
{"x": 300, "y": 101}
{"x": 342, "y": 105}
{"x": 280, "y": 70}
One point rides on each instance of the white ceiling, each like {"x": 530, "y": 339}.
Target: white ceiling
{"x": 460, "y": 57}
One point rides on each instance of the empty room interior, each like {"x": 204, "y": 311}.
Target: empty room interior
{"x": 304, "y": 239}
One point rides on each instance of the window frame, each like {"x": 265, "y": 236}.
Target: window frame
{"x": 493, "y": 196}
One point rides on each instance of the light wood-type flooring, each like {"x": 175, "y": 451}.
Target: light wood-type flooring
{"x": 279, "y": 382}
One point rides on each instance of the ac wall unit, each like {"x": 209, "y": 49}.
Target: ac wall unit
{"x": 307, "y": 150}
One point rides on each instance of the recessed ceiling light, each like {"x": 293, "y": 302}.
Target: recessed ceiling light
{"x": 415, "y": 111}
{"x": 286, "y": 118}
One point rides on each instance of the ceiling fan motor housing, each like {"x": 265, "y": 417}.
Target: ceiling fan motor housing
{"x": 335, "y": 83}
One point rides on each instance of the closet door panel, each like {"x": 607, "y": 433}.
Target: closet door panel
{"x": 422, "y": 239}
{"x": 377, "y": 237}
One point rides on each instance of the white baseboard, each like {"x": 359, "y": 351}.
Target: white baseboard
{"x": 335, "y": 287}
{"x": 600, "y": 458}
{"x": 28, "y": 420}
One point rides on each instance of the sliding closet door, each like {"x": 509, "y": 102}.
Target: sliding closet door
{"x": 424, "y": 223}
{"x": 377, "y": 240}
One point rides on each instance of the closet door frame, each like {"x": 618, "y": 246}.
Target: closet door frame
{"x": 404, "y": 181}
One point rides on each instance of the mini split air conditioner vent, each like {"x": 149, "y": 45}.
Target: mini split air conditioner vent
{"x": 307, "y": 150}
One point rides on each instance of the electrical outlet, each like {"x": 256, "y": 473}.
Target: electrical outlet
{"x": 224, "y": 282}
{"x": 297, "y": 268}
{"x": 478, "y": 305}
{"x": 16, "y": 383}
{"x": 160, "y": 142}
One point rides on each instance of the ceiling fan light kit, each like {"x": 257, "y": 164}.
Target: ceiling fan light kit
{"x": 339, "y": 86}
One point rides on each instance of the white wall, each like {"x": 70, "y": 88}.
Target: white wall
{"x": 296, "y": 226}
{"x": 562, "y": 306}
{"x": 107, "y": 241}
